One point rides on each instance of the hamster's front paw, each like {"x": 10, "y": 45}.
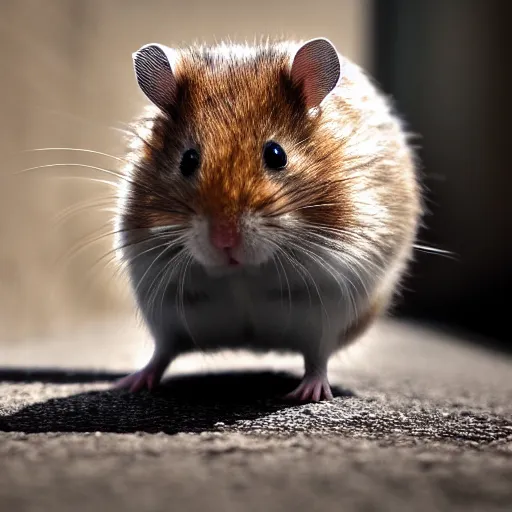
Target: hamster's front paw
{"x": 313, "y": 388}
{"x": 146, "y": 378}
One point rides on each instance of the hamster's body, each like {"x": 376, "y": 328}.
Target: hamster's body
{"x": 241, "y": 252}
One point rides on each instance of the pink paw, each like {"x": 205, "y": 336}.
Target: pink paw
{"x": 313, "y": 388}
{"x": 147, "y": 378}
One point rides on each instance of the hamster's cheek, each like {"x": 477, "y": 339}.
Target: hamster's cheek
{"x": 199, "y": 245}
{"x": 258, "y": 241}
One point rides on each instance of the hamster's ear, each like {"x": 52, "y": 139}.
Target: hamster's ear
{"x": 153, "y": 64}
{"x": 316, "y": 66}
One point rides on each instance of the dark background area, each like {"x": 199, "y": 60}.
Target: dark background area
{"x": 444, "y": 63}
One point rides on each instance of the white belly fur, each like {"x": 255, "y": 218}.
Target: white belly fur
{"x": 262, "y": 309}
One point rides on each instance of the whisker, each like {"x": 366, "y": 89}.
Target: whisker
{"x": 85, "y": 166}
{"x": 95, "y": 237}
{"x": 141, "y": 243}
{"x": 111, "y": 255}
{"x": 137, "y": 185}
{"x": 118, "y": 175}
{"x": 156, "y": 285}
{"x": 290, "y": 260}
{"x": 299, "y": 268}
{"x": 181, "y": 300}
{"x": 164, "y": 229}
{"x": 166, "y": 272}
{"x": 314, "y": 257}
{"x": 88, "y": 178}
{"x": 85, "y": 205}
{"x": 436, "y": 251}
{"x": 340, "y": 278}
{"x": 342, "y": 234}
{"x": 373, "y": 243}
{"x": 320, "y": 205}
{"x": 81, "y": 150}
{"x": 345, "y": 249}
{"x": 278, "y": 260}
{"x": 167, "y": 246}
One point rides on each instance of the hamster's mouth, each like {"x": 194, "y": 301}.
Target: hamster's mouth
{"x": 232, "y": 261}
{"x": 229, "y": 265}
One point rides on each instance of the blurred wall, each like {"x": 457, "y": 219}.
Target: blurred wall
{"x": 444, "y": 62}
{"x": 67, "y": 81}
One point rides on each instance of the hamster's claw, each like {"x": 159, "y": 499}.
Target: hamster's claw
{"x": 313, "y": 388}
{"x": 147, "y": 378}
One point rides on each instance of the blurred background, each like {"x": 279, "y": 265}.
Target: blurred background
{"x": 67, "y": 82}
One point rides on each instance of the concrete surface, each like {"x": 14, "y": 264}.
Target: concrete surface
{"x": 422, "y": 422}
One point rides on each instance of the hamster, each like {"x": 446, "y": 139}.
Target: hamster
{"x": 271, "y": 202}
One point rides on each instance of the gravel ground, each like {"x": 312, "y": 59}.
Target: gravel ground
{"x": 421, "y": 421}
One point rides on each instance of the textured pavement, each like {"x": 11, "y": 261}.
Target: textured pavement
{"x": 421, "y": 421}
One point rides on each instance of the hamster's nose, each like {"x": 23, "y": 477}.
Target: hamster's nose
{"x": 224, "y": 234}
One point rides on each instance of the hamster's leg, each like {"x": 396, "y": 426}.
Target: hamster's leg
{"x": 316, "y": 339}
{"x": 154, "y": 291}
{"x": 315, "y": 385}
{"x": 164, "y": 336}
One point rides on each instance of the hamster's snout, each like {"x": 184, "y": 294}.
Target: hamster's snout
{"x": 226, "y": 236}
{"x": 225, "y": 242}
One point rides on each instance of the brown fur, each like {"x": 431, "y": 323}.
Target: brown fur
{"x": 229, "y": 115}
{"x": 227, "y": 110}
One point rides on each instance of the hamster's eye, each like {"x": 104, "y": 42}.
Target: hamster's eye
{"x": 189, "y": 163}
{"x": 274, "y": 156}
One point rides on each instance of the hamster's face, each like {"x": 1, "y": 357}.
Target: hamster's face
{"x": 239, "y": 170}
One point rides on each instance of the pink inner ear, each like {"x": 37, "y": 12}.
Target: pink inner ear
{"x": 310, "y": 74}
{"x": 316, "y": 67}
{"x": 305, "y": 72}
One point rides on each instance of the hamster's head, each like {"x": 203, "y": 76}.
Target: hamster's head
{"x": 234, "y": 163}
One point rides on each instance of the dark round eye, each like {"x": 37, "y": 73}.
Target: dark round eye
{"x": 189, "y": 163}
{"x": 274, "y": 156}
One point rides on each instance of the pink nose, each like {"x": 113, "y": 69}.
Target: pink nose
{"x": 224, "y": 234}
